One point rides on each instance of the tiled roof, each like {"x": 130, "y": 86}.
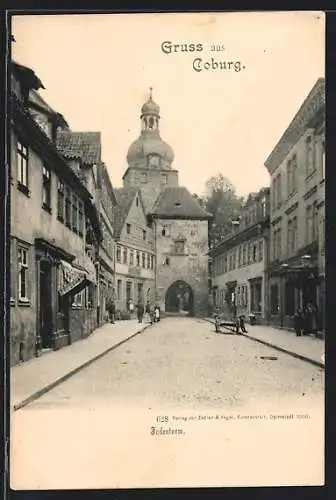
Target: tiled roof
{"x": 124, "y": 197}
{"x": 84, "y": 145}
{"x": 178, "y": 202}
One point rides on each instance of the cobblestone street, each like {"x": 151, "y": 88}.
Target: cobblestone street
{"x": 100, "y": 419}
{"x": 183, "y": 363}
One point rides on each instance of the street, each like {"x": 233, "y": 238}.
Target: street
{"x": 183, "y": 363}
{"x": 221, "y": 402}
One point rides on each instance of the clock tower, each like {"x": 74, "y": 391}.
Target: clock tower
{"x": 150, "y": 158}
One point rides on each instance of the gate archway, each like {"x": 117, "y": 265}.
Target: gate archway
{"x": 180, "y": 299}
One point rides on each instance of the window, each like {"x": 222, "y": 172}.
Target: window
{"x": 74, "y": 212}
{"x": 322, "y": 234}
{"x": 79, "y": 299}
{"x": 148, "y": 261}
{"x": 152, "y": 261}
{"x": 276, "y": 243}
{"x": 143, "y": 260}
{"x": 131, "y": 258}
{"x": 279, "y": 193}
{"x": 294, "y": 233}
{"x": 273, "y": 193}
{"x": 289, "y": 237}
{"x": 179, "y": 247}
{"x": 309, "y": 224}
{"x": 118, "y": 257}
{"x": 60, "y": 201}
{"x": 119, "y": 290}
{"x": 166, "y": 261}
{"x": 137, "y": 201}
{"x": 294, "y": 173}
{"x": 128, "y": 228}
{"x": 164, "y": 178}
{"x": 261, "y": 250}
{"x": 80, "y": 217}
{"x": 309, "y": 156}
{"x": 254, "y": 252}
{"x": 23, "y": 274}
{"x": 22, "y": 164}
{"x": 143, "y": 178}
{"x": 323, "y": 161}
{"x": 46, "y": 188}
{"x": 274, "y": 299}
{"x": 244, "y": 255}
{"x": 138, "y": 259}
{"x": 315, "y": 222}
{"x": 289, "y": 178}
{"x": 144, "y": 235}
{"x": 68, "y": 206}
{"x": 125, "y": 256}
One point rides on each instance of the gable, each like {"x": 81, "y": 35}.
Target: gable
{"x": 137, "y": 219}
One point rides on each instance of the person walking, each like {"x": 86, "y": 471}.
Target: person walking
{"x": 140, "y": 311}
{"x": 148, "y": 312}
{"x": 242, "y": 324}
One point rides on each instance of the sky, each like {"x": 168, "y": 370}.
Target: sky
{"x": 97, "y": 70}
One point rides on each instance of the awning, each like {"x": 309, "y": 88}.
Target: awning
{"x": 73, "y": 279}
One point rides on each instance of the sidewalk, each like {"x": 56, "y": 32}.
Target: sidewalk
{"x": 33, "y": 378}
{"x": 307, "y": 348}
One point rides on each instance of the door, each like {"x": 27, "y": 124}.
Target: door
{"x": 45, "y": 305}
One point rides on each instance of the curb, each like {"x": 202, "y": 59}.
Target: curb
{"x": 281, "y": 349}
{"x": 63, "y": 378}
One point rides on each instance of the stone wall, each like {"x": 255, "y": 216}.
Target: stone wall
{"x": 154, "y": 184}
{"x": 191, "y": 266}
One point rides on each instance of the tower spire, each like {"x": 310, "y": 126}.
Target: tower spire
{"x": 151, "y": 92}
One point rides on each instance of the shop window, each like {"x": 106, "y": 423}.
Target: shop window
{"x": 274, "y": 292}
{"x": 289, "y": 298}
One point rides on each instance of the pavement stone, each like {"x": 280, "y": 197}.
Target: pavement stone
{"x": 33, "y": 378}
{"x": 306, "y": 347}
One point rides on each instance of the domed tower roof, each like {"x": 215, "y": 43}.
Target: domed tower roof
{"x": 150, "y": 107}
{"x": 149, "y": 150}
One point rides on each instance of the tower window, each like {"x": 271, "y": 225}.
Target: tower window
{"x": 164, "y": 178}
{"x": 144, "y": 178}
{"x": 166, "y": 261}
{"x": 151, "y": 123}
{"x": 128, "y": 228}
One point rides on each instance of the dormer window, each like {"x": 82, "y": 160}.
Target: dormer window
{"x": 177, "y": 204}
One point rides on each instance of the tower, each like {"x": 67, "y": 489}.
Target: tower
{"x": 150, "y": 158}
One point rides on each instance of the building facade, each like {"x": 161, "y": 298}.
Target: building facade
{"x": 296, "y": 166}
{"x": 239, "y": 262}
{"x": 51, "y": 216}
{"x": 171, "y": 227}
{"x": 134, "y": 251}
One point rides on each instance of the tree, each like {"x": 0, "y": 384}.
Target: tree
{"x": 222, "y": 201}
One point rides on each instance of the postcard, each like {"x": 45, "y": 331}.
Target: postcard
{"x": 167, "y": 250}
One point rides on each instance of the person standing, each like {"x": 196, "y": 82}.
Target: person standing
{"x": 157, "y": 314}
{"x": 298, "y": 322}
{"x": 131, "y": 307}
{"x": 110, "y": 307}
{"x": 140, "y": 311}
{"x": 148, "y": 312}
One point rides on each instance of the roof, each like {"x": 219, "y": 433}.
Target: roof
{"x": 84, "y": 145}
{"x": 124, "y": 197}
{"x": 27, "y": 75}
{"x": 177, "y": 202}
{"x": 104, "y": 178}
{"x": 312, "y": 109}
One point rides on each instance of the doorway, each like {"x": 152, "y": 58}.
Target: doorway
{"x": 46, "y": 323}
{"x": 180, "y": 299}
